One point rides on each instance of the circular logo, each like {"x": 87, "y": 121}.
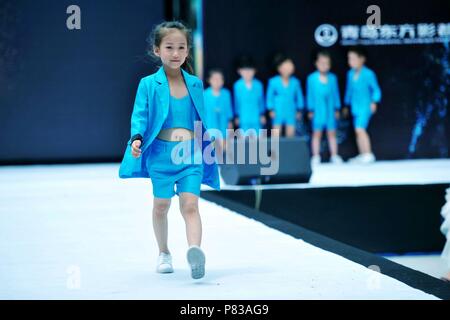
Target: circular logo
{"x": 326, "y": 35}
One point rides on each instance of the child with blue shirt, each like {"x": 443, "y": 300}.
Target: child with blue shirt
{"x": 248, "y": 99}
{"x": 218, "y": 109}
{"x": 167, "y": 112}
{"x": 362, "y": 94}
{"x": 323, "y": 103}
{"x": 284, "y": 97}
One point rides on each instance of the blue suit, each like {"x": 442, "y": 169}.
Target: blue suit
{"x": 248, "y": 104}
{"x": 360, "y": 93}
{"x": 285, "y": 101}
{"x": 323, "y": 99}
{"x": 218, "y": 110}
{"x": 150, "y": 110}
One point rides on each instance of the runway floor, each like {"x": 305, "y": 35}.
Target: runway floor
{"x": 80, "y": 232}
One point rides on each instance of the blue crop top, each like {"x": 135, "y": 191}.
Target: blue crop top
{"x": 182, "y": 113}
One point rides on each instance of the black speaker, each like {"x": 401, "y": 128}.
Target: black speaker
{"x": 290, "y": 156}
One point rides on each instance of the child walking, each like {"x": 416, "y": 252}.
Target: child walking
{"x": 362, "y": 94}
{"x": 164, "y": 143}
{"x": 322, "y": 97}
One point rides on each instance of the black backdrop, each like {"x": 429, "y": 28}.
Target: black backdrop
{"x": 413, "y": 119}
{"x": 67, "y": 95}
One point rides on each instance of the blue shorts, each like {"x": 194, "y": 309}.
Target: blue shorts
{"x": 361, "y": 120}
{"x": 174, "y": 163}
{"x": 321, "y": 124}
{"x": 278, "y": 121}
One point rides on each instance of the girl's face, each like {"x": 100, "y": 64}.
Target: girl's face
{"x": 355, "y": 61}
{"x": 216, "y": 80}
{"x": 286, "y": 69}
{"x": 323, "y": 64}
{"x": 247, "y": 73}
{"x": 173, "y": 49}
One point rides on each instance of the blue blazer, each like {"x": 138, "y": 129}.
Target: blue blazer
{"x": 362, "y": 92}
{"x": 150, "y": 110}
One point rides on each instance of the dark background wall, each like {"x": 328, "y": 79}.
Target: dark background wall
{"x": 67, "y": 95}
{"x": 413, "y": 119}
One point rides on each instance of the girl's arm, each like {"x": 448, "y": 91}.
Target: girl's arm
{"x": 310, "y": 94}
{"x": 348, "y": 89}
{"x": 299, "y": 97}
{"x": 139, "y": 117}
{"x": 228, "y": 107}
{"x": 374, "y": 88}
{"x": 336, "y": 96}
{"x": 262, "y": 107}
{"x": 270, "y": 96}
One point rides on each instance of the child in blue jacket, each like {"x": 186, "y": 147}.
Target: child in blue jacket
{"x": 248, "y": 99}
{"x": 284, "y": 97}
{"x": 218, "y": 109}
{"x": 362, "y": 94}
{"x": 322, "y": 97}
{"x": 168, "y": 142}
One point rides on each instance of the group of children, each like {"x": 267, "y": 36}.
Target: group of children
{"x": 285, "y": 102}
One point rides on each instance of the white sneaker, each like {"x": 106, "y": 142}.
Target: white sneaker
{"x": 196, "y": 260}
{"x": 336, "y": 159}
{"x": 367, "y": 158}
{"x": 315, "y": 160}
{"x": 363, "y": 158}
{"x": 164, "y": 263}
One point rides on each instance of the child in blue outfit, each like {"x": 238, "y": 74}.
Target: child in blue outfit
{"x": 218, "y": 109}
{"x": 362, "y": 94}
{"x": 248, "y": 100}
{"x": 284, "y": 97}
{"x": 322, "y": 97}
{"x": 169, "y": 141}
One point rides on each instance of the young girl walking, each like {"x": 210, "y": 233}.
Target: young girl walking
{"x": 169, "y": 142}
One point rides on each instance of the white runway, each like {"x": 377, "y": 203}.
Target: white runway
{"x": 396, "y": 172}
{"x": 80, "y": 232}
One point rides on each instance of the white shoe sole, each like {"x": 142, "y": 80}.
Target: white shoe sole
{"x": 196, "y": 259}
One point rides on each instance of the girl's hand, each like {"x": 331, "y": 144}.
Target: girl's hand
{"x": 345, "y": 112}
{"x": 310, "y": 115}
{"x": 135, "y": 148}
{"x": 262, "y": 118}
{"x": 337, "y": 114}
{"x": 236, "y": 121}
{"x": 373, "y": 107}
{"x": 299, "y": 115}
{"x": 272, "y": 114}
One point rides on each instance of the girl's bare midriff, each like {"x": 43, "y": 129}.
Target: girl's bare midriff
{"x": 175, "y": 134}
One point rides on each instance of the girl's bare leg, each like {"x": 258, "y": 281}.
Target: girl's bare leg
{"x": 332, "y": 142}
{"x": 160, "y": 226}
{"x": 363, "y": 141}
{"x": 315, "y": 143}
{"x": 190, "y": 212}
{"x": 290, "y": 131}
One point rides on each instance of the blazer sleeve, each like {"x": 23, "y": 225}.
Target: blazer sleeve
{"x": 139, "y": 116}
{"x": 262, "y": 107}
{"x": 236, "y": 99}
{"x": 374, "y": 88}
{"x": 348, "y": 89}
{"x": 299, "y": 96}
{"x": 270, "y": 95}
{"x": 336, "y": 96}
{"x": 228, "y": 107}
{"x": 309, "y": 94}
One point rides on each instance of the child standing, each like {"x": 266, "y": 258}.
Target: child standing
{"x": 218, "y": 107}
{"x": 167, "y": 106}
{"x": 248, "y": 99}
{"x": 284, "y": 97}
{"x": 323, "y": 105}
{"x": 362, "y": 94}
